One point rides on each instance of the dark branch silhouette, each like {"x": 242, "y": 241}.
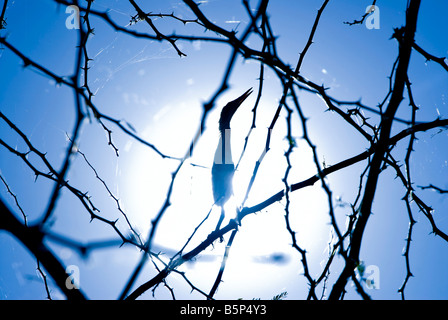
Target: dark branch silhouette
{"x": 381, "y": 128}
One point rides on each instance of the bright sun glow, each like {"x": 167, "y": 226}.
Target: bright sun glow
{"x": 263, "y": 246}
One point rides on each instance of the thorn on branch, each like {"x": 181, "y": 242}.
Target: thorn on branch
{"x": 26, "y": 62}
{"x": 398, "y": 34}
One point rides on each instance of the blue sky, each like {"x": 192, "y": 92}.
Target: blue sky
{"x": 146, "y": 84}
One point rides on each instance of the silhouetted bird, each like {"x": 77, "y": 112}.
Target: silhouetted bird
{"x": 223, "y": 167}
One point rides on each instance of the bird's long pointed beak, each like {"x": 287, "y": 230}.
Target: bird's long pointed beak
{"x": 240, "y": 100}
{"x": 229, "y": 110}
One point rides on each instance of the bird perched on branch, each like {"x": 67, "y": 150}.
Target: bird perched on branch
{"x": 223, "y": 167}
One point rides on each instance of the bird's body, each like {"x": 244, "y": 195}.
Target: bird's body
{"x": 222, "y": 191}
{"x": 223, "y": 168}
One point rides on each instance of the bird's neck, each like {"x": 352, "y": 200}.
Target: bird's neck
{"x": 223, "y": 154}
